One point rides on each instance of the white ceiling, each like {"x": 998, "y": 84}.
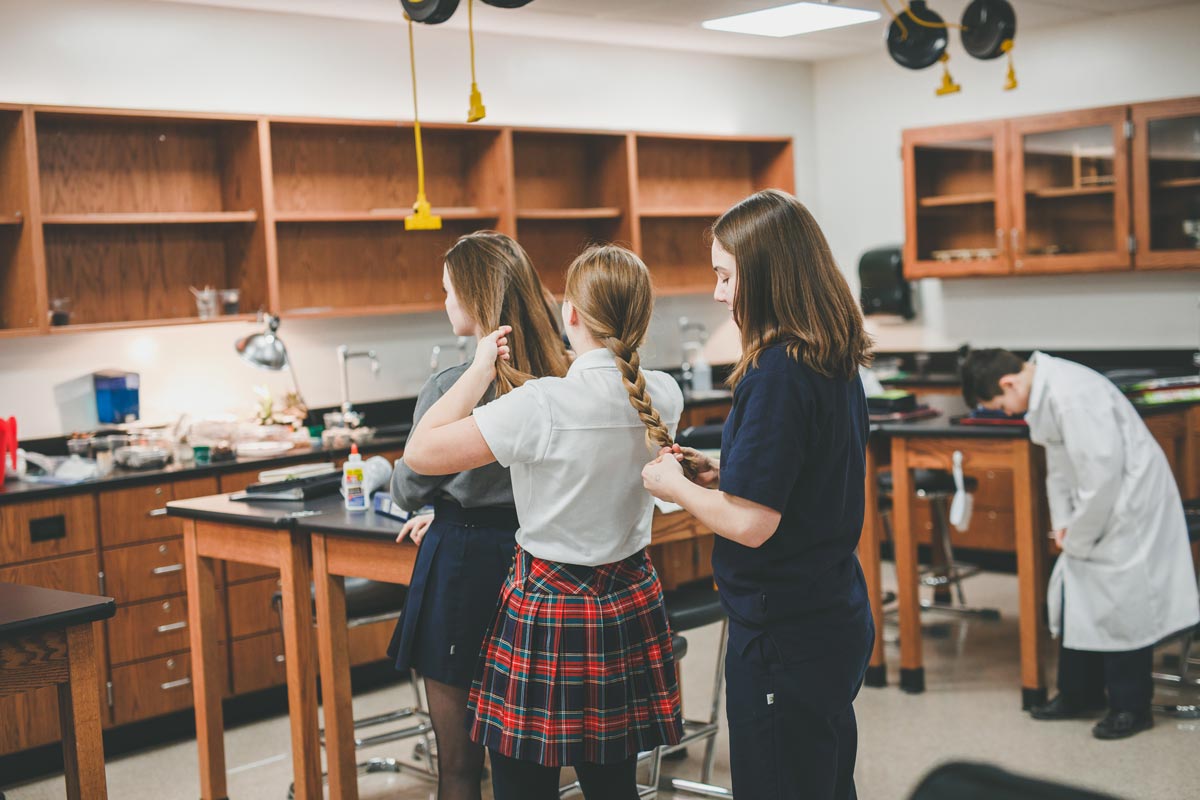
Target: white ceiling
{"x": 675, "y": 24}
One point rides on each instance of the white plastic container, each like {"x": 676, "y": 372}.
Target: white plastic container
{"x": 353, "y": 488}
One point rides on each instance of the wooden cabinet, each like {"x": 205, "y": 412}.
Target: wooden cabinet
{"x": 22, "y": 293}
{"x": 705, "y": 414}
{"x": 1055, "y": 193}
{"x": 250, "y": 608}
{"x": 1166, "y": 184}
{"x": 155, "y": 687}
{"x": 47, "y": 528}
{"x": 143, "y": 571}
{"x": 957, "y": 209}
{"x": 153, "y": 628}
{"x": 135, "y": 207}
{"x": 139, "y": 514}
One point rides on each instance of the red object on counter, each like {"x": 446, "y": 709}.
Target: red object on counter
{"x": 8, "y": 441}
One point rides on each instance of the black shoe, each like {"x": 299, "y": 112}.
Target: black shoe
{"x": 1062, "y": 708}
{"x": 1123, "y": 724}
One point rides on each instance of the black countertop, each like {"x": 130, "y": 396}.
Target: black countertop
{"x": 949, "y": 408}
{"x": 322, "y": 515}
{"x": 30, "y": 609}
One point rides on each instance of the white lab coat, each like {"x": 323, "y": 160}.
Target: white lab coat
{"x": 1125, "y": 580}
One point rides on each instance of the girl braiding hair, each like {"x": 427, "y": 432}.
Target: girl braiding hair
{"x": 497, "y": 285}
{"x": 611, "y": 291}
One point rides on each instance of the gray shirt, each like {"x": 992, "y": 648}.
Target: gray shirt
{"x": 475, "y": 488}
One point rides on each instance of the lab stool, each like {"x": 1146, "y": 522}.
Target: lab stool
{"x": 1188, "y": 675}
{"x": 937, "y": 487}
{"x": 369, "y": 601}
{"x": 692, "y": 606}
{"x": 649, "y": 790}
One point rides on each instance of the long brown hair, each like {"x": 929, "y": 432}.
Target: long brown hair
{"x": 611, "y": 291}
{"x": 789, "y": 289}
{"x": 497, "y": 285}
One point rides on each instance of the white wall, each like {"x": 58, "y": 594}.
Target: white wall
{"x": 165, "y": 56}
{"x": 863, "y": 103}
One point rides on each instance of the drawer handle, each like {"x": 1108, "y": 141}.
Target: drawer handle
{"x": 175, "y": 684}
{"x": 157, "y": 512}
{"x": 174, "y": 626}
{"x": 167, "y": 569}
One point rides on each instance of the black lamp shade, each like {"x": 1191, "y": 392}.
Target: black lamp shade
{"x": 987, "y": 25}
{"x": 923, "y": 46}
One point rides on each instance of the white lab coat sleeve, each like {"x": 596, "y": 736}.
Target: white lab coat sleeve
{"x": 1094, "y": 445}
{"x": 1058, "y": 487}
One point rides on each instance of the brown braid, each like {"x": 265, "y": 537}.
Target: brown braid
{"x": 630, "y": 365}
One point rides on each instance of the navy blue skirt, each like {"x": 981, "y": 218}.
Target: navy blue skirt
{"x": 461, "y": 567}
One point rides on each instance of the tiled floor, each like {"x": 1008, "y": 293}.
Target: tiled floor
{"x": 971, "y": 710}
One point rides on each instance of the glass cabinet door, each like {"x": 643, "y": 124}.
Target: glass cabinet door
{"x": 1166, "y": 184}
{"x": 1070, "y": 192}
{"x": 956, "y": 212}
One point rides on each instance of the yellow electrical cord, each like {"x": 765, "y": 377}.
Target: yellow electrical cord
{"x": 1010, "y": 81}
{"x": 422, "y": 218}
{"x": 948, "y": 85}
{"x": 896, "y": 19}
{"x": 476, "y": 110}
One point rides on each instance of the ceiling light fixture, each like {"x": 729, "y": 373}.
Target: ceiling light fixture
{"x": 792, "y": 20}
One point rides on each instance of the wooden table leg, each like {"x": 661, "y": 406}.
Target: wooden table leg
{"x": 333, "y": 644}
{"x": 206, "y": 667}
{"x": 296, "y": 579}
{"x": 79, "y": 716}
{"x": 1031, "y": 578}
{"x": 904, "y": 540}
{"x": 868, "y": 558}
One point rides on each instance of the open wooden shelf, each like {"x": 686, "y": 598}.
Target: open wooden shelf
{"x": 968, "y": 199}
{"x": 569, "y": 213}
{"x": 1178, "y": 183}
{"x": 149, "y": 323}
{"x": 153, "y": 218}
{"x": 1054, "y": 192}
{"x": 387, "y": 215}
{"x": 329, "y": 312}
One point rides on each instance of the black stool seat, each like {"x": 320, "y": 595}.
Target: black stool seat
{"x": 930, "y": 481}
{"x": 1191, "y": 511}
{"x": 693, "y": 605}
{"x": 678, "y": 646}
{"x": 364, "y": 597}
{"x": 701, "y": 437}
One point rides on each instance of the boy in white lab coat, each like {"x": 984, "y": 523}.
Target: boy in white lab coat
{"x": 1125, "y": 579}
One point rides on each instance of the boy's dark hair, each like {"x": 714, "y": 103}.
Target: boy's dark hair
{"x": 981, "y": 371}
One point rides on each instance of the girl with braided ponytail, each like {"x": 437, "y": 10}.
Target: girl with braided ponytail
{"x": 578, "y": 669}
{"x": 786, "y": 502}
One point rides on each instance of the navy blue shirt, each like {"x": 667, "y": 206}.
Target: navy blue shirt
{"x": 795, "y": 441}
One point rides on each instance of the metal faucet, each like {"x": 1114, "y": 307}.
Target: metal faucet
{"x": 350, "y": 417}
{"x": 687, "y": 327}
{"x": 435, "y": 355}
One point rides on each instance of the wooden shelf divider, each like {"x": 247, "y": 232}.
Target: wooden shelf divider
{"x": 1053, "y": 192}
{"x": 1178, "y": 183}
{"x": 149, "y": 323}
{"x": 152, "y": 218}
{"x": 682, "y": 212}
{"x": 386, "y": 215}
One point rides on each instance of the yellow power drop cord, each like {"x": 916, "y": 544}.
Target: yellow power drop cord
{"x": 1010, "y": 81}
{"x": 422, "y": 219}
{"x": 476, "y": 110}
{"x": 948, "y": 85}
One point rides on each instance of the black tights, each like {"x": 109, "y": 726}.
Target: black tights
{"x": 513, "y": 779}
{"x": 460, "y": 761}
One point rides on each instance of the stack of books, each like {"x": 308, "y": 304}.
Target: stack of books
{"x": 300, "y": 482}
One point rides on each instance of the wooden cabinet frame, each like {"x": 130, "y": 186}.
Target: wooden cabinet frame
{"x": 1143, "y": 114}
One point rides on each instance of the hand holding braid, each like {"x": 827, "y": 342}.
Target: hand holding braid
{"x": 629, "y": 362}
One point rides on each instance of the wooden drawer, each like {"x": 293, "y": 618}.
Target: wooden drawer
{"x": 47, "y": 528}
{"x": 683, "y": 561}
{"x": 70, "y": 574}
{"x": 709, "y": 414}
{"x": 30, "y": 719}
{"x": 136, "y": 515}
{"x": 258, "y": 663}
{"x": 236, "y": 481}
{"x": 995, "y": 489}
{"x": 991, "y": 529}
{"x": 144, "y": 571}
{"x": 370, "y": 642}
{"x": 250, "y": 609}
{"x": 154, "y": 628}
{"x": 159, "y": 686}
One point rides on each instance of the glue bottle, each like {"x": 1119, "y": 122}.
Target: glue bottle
{"x": 352, "y": 481}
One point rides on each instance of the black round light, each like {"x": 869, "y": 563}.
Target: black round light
{"x": 987, "y": 25}
{"x": 508, "y": 3}
{"x": 430, "y": 12}
{"x": 923, "y": 46}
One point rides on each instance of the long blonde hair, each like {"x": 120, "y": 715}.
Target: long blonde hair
{"x": 611, "y": 291}
{"x": 497, "y": 285}
{"x": 789, "y": 289}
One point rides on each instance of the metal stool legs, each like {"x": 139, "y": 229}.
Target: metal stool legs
{"x": 955, "y": 572}
{"x": 696, "y": 730}
{"x": 1185, "y": 679}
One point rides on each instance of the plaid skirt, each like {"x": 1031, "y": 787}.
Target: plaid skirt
{"x": 578, "y": 667}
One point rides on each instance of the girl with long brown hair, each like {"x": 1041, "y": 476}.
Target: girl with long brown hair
{"x": 467, "y": 545}
{"x": 786, "y": 501}
{"x": 578, "y": 668}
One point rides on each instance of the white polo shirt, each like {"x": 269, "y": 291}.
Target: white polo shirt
{"x": 575, "y": 449}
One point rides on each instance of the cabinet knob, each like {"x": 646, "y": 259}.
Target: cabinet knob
{"x": 162, "y": 548}
{"x": 170, "y": 663}
{"x": 166, "y": 606}
{"x": 158, "y": 490}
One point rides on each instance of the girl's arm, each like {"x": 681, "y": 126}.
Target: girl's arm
{"x": 735, "y": 518}
{"x": 447, "y": 440}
